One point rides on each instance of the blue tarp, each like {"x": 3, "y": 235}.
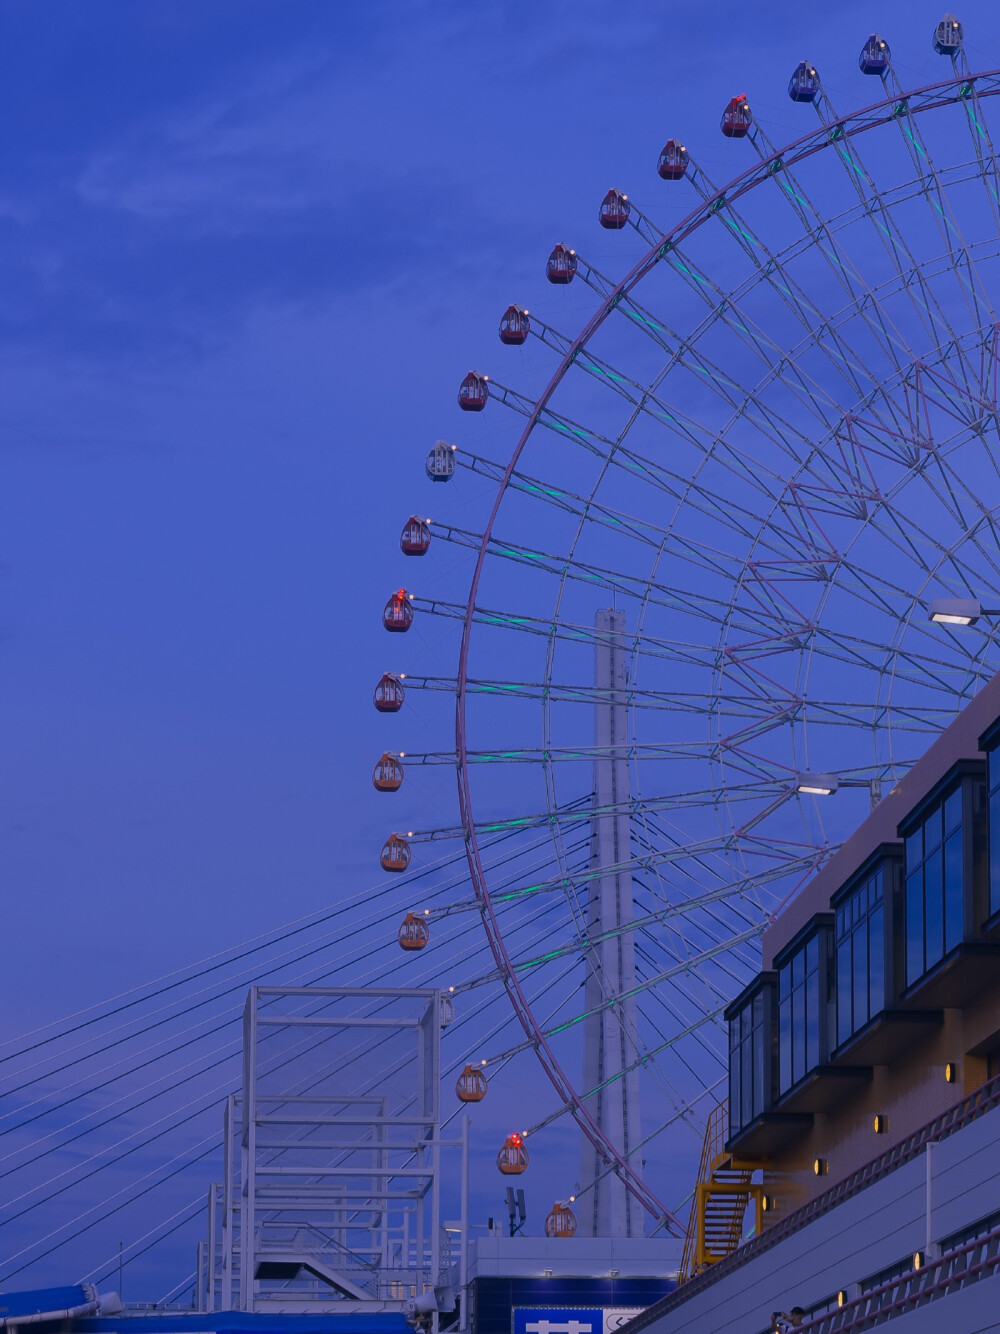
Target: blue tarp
{"x": 41, "y": 1299}
{"x": 245, "y": 1322}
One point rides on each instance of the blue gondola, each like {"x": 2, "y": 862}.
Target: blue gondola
{"x": 875, "y": 54}
{"x": 803, "y": 86}
{"x": 948, "y": 36}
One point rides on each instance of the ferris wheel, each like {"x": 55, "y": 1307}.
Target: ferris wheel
{"x": 728, "y": 585}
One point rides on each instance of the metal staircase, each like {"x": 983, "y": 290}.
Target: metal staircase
{"x": 721, "y": 1196}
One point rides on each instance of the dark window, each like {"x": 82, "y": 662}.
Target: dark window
{"x": 860, "y": 957}
{"x": 994, "y": 785}
{"x": 800, "y": 1017}
{"x": 935, "y": 886}
{"x": 749, "y": 1063}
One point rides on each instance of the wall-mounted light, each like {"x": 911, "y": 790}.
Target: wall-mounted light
{"x": 919, "y": 1259}
{"x": 954, "y": 611}
{"x": 817, "y": 785}
{"x": 820, "y": 1167}
{"x": 841, "y": 1298}
{"x": 880, "y": 1123}
{"x": 951, "y": 1072}
{"x": 767, "y": 1204}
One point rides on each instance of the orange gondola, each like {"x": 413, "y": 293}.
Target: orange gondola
{"x": 471, "y": 1085}
{"x": 415, "y": 537}
{"x": 513, "y": 1157}
{"x": 561, "y": 1221}
{"x": 397, "y": 614}
{"x": 395, "y": 854}
{"x": 389, "y": 694}
{"x": 414, "y": 933}
{"x": 388, "y": 774}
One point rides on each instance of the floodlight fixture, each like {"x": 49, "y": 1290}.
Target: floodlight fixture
{"x": 817, "y": 785}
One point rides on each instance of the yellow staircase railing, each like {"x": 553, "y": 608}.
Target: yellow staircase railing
{"x": 721, "y": 1196}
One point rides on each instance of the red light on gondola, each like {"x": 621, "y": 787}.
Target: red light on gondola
{"x": 737, "y": 118}
{"x": 513, "y": 1157}
{"x": 397, "y": 615}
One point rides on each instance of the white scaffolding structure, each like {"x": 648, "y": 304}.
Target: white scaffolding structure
{"x": 332, "y": 1190}
{"x": 610, "y": 1061}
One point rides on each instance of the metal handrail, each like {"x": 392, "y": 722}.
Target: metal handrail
{"x": 950, "y": 1272}
{"x": 983, "y": 1099}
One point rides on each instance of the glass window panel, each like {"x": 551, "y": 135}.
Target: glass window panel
{"x": 812, "y": 1021}
{"x": 746, "y": 1083}
{"x": 934, "y": 907}
{"x": 914, "y": 849}
{"x": 840, "y": 923}
{"x": 863, "y": 897}
{"x": 993, "y": 761}
{"x": 812, "y": 955}
{"x": 877, "y": 887}
{"x": 798, "y": 967}
{"x": 953, "y": 887}
{"x": 994, "y": 850}
{"x": 953, "y": 811}
{"x": 876, "y": 962}
{"x": 758, "y": 1011}
{"x": 861, "y": 975}
{"x": 932, "y": 831}
{"x": 760, "y": 1089}
{"x": 845, "y": 1022}
{"x": 784, "y": 981}
{"x": 798, "y": 1038}
{"x": 914, "y": 926}
{"x": 785, "y": 1045}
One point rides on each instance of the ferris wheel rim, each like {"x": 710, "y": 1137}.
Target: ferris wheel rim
{"x": 867, "y": 118}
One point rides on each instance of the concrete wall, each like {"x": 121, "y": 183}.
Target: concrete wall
{"x": 878, "y": 1228}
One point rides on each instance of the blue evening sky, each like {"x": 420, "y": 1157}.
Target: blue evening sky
{"x": 248, "y": 248}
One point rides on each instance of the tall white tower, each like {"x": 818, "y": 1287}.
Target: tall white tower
{"x": 610, "y": 1032}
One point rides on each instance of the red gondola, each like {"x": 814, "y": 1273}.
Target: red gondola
{"x": 388, "y": 774}
{"x": 395, "y": 855}
{"x": 561, "y": 265}
{"x": 414, "y": 933}
{"x": 737, "y": 119}
{"x": 440, "y": 465}
{"x": 415, "y": 537}
{"x": 615, "y": 209}
{"x": 389, "y": 694}
{"x": 561, "y": 1221}
{"x": 397, "y": 615}
{"x": 514, "y": 326}
{"x": 471, "y": 1085}
{"x": 513, "y": 1157}
{"x": 673, "y": 161}
{"x": 473, "y": 392}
